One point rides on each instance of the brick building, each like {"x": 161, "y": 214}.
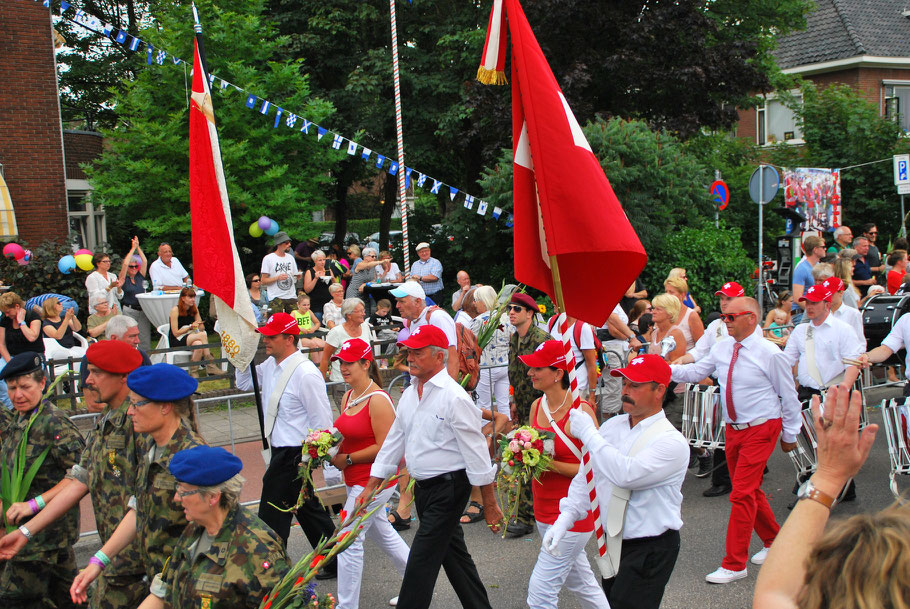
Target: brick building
{"x": 861, "y": 43}
{"x": 40, "y": 161}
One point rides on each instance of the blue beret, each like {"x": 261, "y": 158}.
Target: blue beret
{"x": 162, "y": 382}
{"x": 24, "y": 363}
{"x": 204, "y": 465}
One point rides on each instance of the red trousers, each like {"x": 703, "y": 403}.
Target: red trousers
{"x": 747, "y": 454}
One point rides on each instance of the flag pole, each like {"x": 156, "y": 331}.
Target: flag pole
{"x": 576, "y": 403}
{"x": 399, "y": 135}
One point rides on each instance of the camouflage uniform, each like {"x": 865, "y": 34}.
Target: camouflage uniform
{"x": 524, "y": 394}
{"x": 41, "y": 574}
{"x": 246, "y": 560}
{"x": 159, "y": 520}
{"x": 108, "y": 467}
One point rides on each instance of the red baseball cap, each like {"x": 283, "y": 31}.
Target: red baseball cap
{"x": 817, "y": 293}
{"x": 833, "y": 284}
{"x": 354, "y": 350}
{"x": 549, "y": 353}
{"x": 646, "y": 368}
{"x": 426, "y": 336}
{"x": 731, "y": 289}
{"x": 114, "y": 356}
{"x": 280, "y": 323}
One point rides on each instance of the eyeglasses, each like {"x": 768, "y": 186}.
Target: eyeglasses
{"x": 516, "y": 308}
{"x": 139, "y": 404}
{"x": 255, "y": 280}
{"x": 132, "y": 266}
{"x": 875, "y": 232}
{"x": 182, "y": 494}
{"x": 727, "y": 317}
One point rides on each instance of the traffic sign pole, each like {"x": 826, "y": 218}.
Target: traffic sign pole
{"x": 761, "y": 216}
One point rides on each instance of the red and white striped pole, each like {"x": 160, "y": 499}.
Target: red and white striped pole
{"x": 399, "y": 132}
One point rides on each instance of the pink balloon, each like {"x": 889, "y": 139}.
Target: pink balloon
{"x": 22, "y": 261}
{"x": 13, "y": 250}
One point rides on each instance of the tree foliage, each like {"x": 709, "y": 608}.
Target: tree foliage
{"x": 278, "y": 172}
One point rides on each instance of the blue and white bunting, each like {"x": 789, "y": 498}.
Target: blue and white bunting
{"x": 365, "y": 155}
{"x": 337, "y": 141}
{"x": 421, "y": 179}
{"x": 320, "y": 132}
{"x": 134, "y": 43}
{"x": 266, "y": 106}
{"x": 482, "y": 208}
{"x": 150, "y": 50}
{"x": 251, "y": 101}
{"x": 278, "y": 117}
{"x": 160, "y": 57}
{"x": 121, "y": 36}
{"x": 497, "y": 211}
{"x": 379, "y": 160}
{"x": 290, "y": 120}
{"x": 305, "y": 127}
{"x": 407, "y": 177}
{"x": 436, "y": 185}
{"x": 510, "y": 221}
{"x": 64, "y": 6}
{"x": 352, "y": 147}
{"x": 452, "y": 192}
{"x": 393, "y": 168}
{"x": 469, "y": 201}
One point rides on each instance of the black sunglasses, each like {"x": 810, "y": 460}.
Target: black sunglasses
{"x": 517, "y": 308}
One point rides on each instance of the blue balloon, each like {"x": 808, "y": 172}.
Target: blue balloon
{"x": 66, "y": 264}
{"x": 272, "y": 229}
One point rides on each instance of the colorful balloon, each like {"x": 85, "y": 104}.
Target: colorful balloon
{"x": 83, "y": 251}
{"x": 66, "y": 264}
{"x": 26, "y": 258}
{"x": 272, "y": 229}
{"x": 13, "y": 250}
{"x": 255, "y": 231}
{"x": 264, "y": 222}
{"x": 84, "y": 262}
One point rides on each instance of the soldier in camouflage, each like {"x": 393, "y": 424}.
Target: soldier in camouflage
{"x": 227, "y": 558}
{"x": 107, "y": 470}
{"x": 160, "y": 405}
{"x": 525, "y": 340}
{"x": 38, "y": 577}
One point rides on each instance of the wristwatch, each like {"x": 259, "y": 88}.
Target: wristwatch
{"x": 347, "y": 459}
{"x": 808, "y": 491}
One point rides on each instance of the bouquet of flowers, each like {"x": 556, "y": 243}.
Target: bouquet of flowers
{"x": 320, "y": 446}
{"x": 525, "y": 453}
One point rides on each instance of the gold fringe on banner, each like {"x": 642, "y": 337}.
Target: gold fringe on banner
{"x": 491, "y": 77}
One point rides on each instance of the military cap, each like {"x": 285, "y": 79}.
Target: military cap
{"x": 114, "y": 356}
{"x": 162, "y": 382}
{"x": 22, "y": 364}
{"x": 204, "y": 465}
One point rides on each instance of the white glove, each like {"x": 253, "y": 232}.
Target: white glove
{"x": 554, "y": 535}
{"x": 583, "y": 426}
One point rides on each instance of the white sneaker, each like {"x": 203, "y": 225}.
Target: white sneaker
{"x": 725, "y": 576}
{"x": 759, "y": 557}
{"x": 393, "y": 602}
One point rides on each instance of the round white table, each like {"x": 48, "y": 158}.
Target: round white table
{"x": 157, "y": 307}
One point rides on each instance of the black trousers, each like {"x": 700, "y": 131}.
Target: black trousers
{"x": 439, "y": 542}
{"x": 281, "y": 486}
{"x": 645, "y": 566}
{"x": 720, "y": 476}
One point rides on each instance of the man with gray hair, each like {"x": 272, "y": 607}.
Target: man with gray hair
{"x": 842, "y": 237}
{"x": 862, "y": 271}
{"x": 124, "y": 329}
{"x": 412, "y": 304}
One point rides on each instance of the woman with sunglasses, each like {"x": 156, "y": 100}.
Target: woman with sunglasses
{"x": 226, "y": 557}
{"x": 133, "y": 278}
{"x": 548, "y": 372}
{"x": 665, "y": 313}
{"x": 257, "y": 296}
{"x": 188, "y": 329}
{"x": 161, "y": 408}
{"x": 366, "y": 416}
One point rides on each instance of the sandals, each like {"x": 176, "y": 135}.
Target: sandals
{"x": 472, "y": 516}
{"x": 399, "y": 523}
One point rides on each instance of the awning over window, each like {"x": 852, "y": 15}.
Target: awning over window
{"x": 8, "y": 228}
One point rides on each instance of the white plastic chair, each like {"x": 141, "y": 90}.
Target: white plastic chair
{"x": 165, "y": 343}
{"x": 54, "y": 350}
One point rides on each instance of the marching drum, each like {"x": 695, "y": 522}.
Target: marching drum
{"x": 880, "y": 313}
{"x": 703, "y": 417}
{"x": 896, "y": 415}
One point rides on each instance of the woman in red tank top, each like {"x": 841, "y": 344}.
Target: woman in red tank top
{"x": 548, "y": 372}
{"x": 366, "y": 416}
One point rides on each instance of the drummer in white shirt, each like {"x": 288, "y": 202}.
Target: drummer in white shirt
{"x": 897, "y": 339}
{"x": 653, "y": 470}
{"x": 760, "y": 404}
{"x": 849, "y": 315}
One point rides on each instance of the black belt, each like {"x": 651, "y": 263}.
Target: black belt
{"x": 446, "y": 477}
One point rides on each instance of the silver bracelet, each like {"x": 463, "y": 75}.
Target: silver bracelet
{"x": 26, "y": 532}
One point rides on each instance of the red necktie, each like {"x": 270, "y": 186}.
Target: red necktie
{"x": 731, "y": 411}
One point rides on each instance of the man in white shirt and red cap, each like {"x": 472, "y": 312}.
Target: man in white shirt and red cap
{"x": 641, "y": 456}
{"x": 849, "y": 315}
{"x": 438, "y": 432}
{"x": 760, "y": 404}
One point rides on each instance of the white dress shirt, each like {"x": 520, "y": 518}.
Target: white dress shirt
{"x": 167, "y": 275}
{"x": 304, "y": 405}
{"x": 715, "y": 331}
{"x": 436, "y": 434}
{"x": 899, "y": 338}
{"x": 834, "y": 340}
{"x": 655, "y": 476}
{"x": 763, "y": 384}
{"x": 852, "y": 318}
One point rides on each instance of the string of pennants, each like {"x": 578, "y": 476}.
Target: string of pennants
{"x": 283, "y": 116}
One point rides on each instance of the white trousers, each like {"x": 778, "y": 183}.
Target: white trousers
{"x": 378, "y": 528}
{"x": 571, "y": 568}
{"x": 493, "y": 382}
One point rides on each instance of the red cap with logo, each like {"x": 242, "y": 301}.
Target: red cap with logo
{"x": 731, "y": 289}
{"x": 280, "y": 323}
{"x": 426, "y": 336}
{"x": 646, "y": 368}
{"x": 549, "y": 353}
{"x": 833, "y": 284}
{"x": 817, "y": 293}
{"x": 354, "y": 350}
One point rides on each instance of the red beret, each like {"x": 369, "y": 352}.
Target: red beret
{"x": 520, "y": 298}
{"x": 114, "y": 356}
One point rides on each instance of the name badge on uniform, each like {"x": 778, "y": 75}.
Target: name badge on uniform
{"x": 208, "y": 582}
{"x": 165, "y": 481}
{"x": 116, "y": 443}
